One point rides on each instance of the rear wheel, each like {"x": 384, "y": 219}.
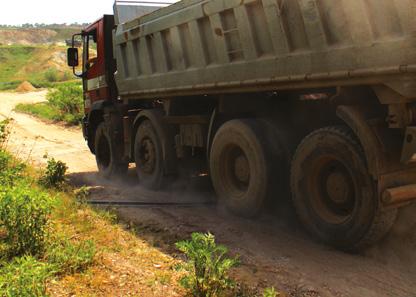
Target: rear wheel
{"x": 333, "y": 193}
{"x": 239, "y": 167}
{"x": 108, "y": 155}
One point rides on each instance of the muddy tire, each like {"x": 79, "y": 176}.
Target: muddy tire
{"x": 108, "y": 154}
{"x": 148, "y": 153}
{"x": 239, "y": 167}
{"x": 333, "y": 192}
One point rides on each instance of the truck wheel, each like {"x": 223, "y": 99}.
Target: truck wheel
{"x": 239, "y": 167}
{"x": 107, "y": 154}
{"x": 333, "y": 192}
{"x": 148, "y": 153}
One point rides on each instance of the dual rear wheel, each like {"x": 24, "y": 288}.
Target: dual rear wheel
{"x": 333, "y": 193}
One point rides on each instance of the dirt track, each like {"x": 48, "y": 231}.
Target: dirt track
{"x": 274, "y": 251}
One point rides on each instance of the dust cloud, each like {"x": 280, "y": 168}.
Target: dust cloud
{"x": 399, "y": 247}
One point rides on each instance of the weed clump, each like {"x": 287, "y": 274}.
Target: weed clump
{"x": 82, "y": 194}
{"x": 24, "y": 276}
{"x": 54, "y": 175}
{"x": 4, "y": 132}
{"x": 70, "y": 258}
{"x": 207, "y": 266}
{"x": 270, "y": 292}
{"x": 24, "y": 215}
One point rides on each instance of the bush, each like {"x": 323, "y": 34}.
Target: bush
{"x": 69, "y": 258}
{"x": 54, "y": 176}
{"x": 11, "y": 171}
{"x": 24, "y": 277}
{"x": 82, "y": 194}
{"x": 207, "y": 266}
{"x": 24, "y": 214}
{"x": 52, "y": 75}
{"x": 4, "y": 132}
{"x": 68, "y": 99}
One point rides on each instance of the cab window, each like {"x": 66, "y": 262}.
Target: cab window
{"x": 90, "y": 49}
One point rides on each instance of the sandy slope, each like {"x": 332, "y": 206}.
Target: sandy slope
{"x": 274, "y": 250}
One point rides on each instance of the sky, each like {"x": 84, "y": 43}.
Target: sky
{"x": 17, "y": 12}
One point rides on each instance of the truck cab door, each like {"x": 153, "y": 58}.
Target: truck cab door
{"x": 98, "y": 78}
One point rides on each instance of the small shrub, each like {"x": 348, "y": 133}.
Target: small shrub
{"x": 54, "y": 176}
{"x": 82, "y": 194}
{"x": 24, "y": 277}
{"x": 52, "y": 75}
{"x": 270, "y": 292}
{"x": 69, "y": 258}
{"x": 67, "y": 76}
{"x": 207, "y": 266}
{"x": 11, "y": 171}
{"x": 4, "y": 132}
{"x": 68, "y": 99}
{"x": 24, "y": 215}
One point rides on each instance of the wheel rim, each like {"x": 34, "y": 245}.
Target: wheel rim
{"x": 104, "y": 153}
{"x": 332, "y": 190}
{"x": 147, "y": 156}
{"x": 235, "y": 171}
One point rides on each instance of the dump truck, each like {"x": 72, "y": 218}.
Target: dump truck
{"x": 308, "y": 99}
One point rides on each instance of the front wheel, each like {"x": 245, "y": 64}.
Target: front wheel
{"x": 108, "y": 154}
{"x": 333, "y": 192}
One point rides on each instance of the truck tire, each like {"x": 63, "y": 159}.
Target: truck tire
{"x": 239, "y": 167}
{"x": 334, "y": 194}
{"x": 108, "y": 155}
{"x": 148, "y": 153}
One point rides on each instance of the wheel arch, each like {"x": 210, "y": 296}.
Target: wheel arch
{"x": 162, "y": 129}
{"x": 354, "y": 117}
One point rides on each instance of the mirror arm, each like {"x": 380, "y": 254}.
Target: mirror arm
{"x": 73, "y": 45}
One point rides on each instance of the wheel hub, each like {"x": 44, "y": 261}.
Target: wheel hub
{"x": 334, "y": 197}
{"x": 337, "y": 187}
{"x": 148, "y": 156}
{"x": 242, "y": 169}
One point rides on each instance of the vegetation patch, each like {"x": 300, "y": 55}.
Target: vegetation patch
{"x": 54, "y": 175}
{"x": 53, "y": 244}
{"x": 64, "y": 103}
{"x": 25, "y": 276}
{"x": 41, "y": 65}
{"x": 24, "y": 215}
{"x": 207, "y": 267}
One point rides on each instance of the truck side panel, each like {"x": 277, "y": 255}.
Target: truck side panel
{"x": 199, "y": 47}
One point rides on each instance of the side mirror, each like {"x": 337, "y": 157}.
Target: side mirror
{"x": 73, "y": 57}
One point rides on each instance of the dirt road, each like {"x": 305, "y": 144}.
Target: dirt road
{"x": 274, "y": 250}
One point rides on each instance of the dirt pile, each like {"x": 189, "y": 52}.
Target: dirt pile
{"x": 25, "y": 87}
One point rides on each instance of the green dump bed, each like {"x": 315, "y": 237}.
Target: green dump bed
{"x": 213, "y": 46}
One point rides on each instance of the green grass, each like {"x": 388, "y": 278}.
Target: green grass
{"x": 12, "y": 59}
{"x": 64, "y": 104}
{"x": 42, "y": 110}
{"x": 33, "y": 248}
{"x": 30, "y": 63}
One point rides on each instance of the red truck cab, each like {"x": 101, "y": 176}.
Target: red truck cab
{"x": 98, "y": 66}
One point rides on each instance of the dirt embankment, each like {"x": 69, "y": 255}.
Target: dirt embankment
{"x": 274, "y": 250}
{"x": 26, "y": 36}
